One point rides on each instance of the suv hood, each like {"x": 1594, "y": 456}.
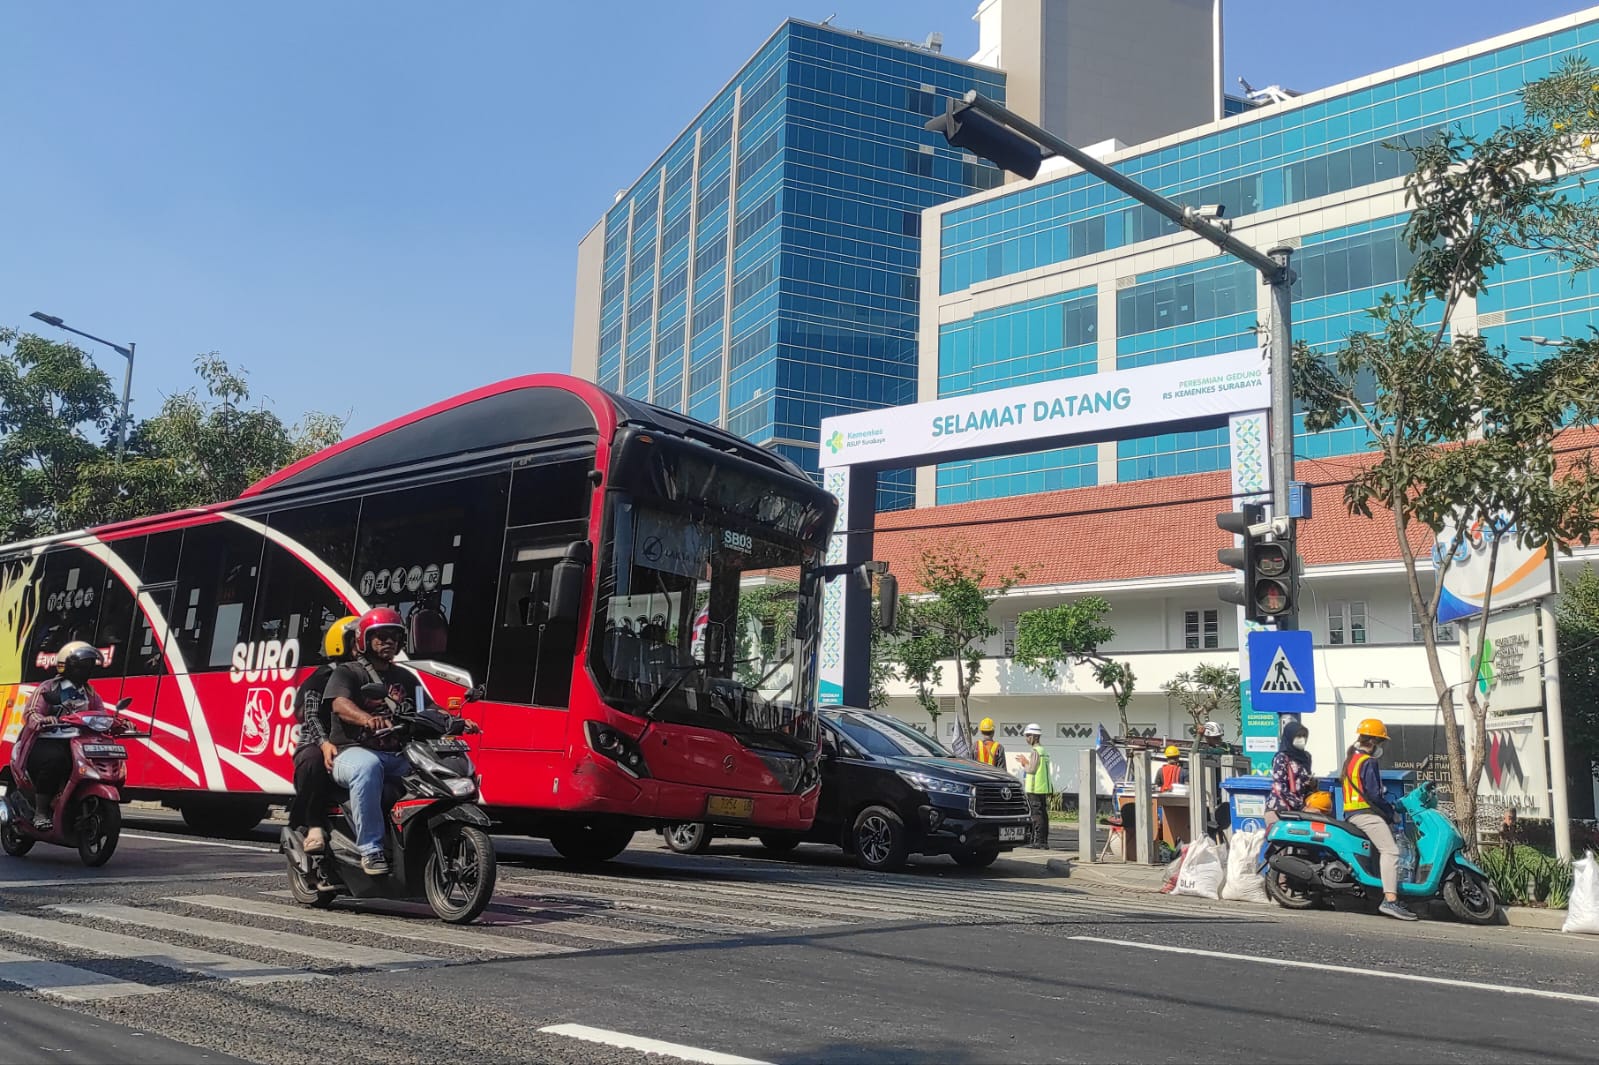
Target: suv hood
{"x": 956, "y": 769}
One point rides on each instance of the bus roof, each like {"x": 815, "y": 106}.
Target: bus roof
{"x": 520, "y": 410}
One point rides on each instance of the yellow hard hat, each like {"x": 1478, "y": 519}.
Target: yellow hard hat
{"x": 986, "y": 725}
{"x": 1319, "y": 802}
{"x": 1372, "y": 726}
{"x": 1173, "y": 752}
{"x": 339, "y": 641}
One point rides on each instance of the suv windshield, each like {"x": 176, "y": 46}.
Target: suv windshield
{"x": 891, "y": 739}
{"x": 692, "y": 626}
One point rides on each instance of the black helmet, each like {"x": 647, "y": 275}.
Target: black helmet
{"x": 76, "y": 660}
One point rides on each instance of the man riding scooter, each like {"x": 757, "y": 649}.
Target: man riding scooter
{"x": 314, "y": 752}
{"x": 48, "y": 762}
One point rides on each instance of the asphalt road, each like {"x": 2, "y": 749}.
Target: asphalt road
{"x": 186, "y": 949}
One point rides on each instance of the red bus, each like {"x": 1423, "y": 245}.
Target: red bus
{"x": 580, "y": 555}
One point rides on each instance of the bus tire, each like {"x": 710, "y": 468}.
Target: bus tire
{"x": 223, "y": 817}
{"x": 688, "y": 837}
{"x": 590, "y": 843}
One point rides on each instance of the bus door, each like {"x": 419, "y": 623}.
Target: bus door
{"x": 144, "y": 664}
{"x": 530, "y": 662}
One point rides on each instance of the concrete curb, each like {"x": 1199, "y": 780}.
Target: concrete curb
{"x": 1529, "y": 917}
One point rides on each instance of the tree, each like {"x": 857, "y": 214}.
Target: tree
{"x": 56, "y": 412}
{"x": 197, "y": 449}
{"x": 1073, "y": 632}
{"x": 1465, "y": 435}
{"x": 883, "y": 669}
{"x": 951, "y": 623}
{"x": 1578, "y": 622}
{"x": 1207, "y": 692}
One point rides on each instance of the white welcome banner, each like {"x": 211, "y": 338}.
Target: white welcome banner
{"x": 1099, "y": 405}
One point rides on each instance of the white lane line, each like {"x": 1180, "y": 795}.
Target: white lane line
{"x": 250, "y": 936}
{"x": 1441, "y": 981}
{"x": 92, "y": 881}
{"x": 187, "y": 841}
{"x": 647, "y": 1046}
{"x": 394, "y": 927}
{"x": 68, "y": 982}
{"x": 166, "y": 955}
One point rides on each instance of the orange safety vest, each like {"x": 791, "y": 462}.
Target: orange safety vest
{"x": 988, "y": 752}
{"x": 1171, "y": 775}
{"x": 1354, "y": 798}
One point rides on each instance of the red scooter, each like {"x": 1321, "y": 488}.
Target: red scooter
{"x": 87, "y": 813}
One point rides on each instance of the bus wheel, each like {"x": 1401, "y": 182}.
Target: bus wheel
{"x": 590, "y": 843}
{"x": 689, "y": 837}
{"x": 223, "y": 817}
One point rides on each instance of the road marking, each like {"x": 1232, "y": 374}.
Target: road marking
{"x": 647, "y": 1046}
{"x": 395, "y": 927}
{"x": 95, "y": 881}
{"x": 58, "y": 980}
{"x": 259, "y": 848}
{"x": 249, "y": 936}
{"x": 166, "y": 955}
{"x": 562, "y": 922}
{"x": 1441, "y": 981}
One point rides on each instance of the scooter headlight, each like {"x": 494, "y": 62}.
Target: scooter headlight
{"x": 461, "y": 788}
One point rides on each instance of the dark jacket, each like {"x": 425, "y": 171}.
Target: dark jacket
{"x": 315, "y": 716}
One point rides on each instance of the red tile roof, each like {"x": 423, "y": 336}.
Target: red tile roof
{"x": 1143, "y": 529}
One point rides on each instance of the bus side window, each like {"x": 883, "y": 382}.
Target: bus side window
{"x": 532, "y": 659}
{"x": 68, "y": 607}
{"x": 293, "y": 601}
{"x": 217, "y": 575}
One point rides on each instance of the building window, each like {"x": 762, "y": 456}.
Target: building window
{"x": 1007, "y": 633}
{"x": 1443, "y": 634}
{"x": 1201, "y": 630}
{"x": 1346, "y": 622}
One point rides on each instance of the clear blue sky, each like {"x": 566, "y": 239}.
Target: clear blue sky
{"x": 372, "y": 205}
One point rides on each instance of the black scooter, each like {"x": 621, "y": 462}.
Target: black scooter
{"x": 434, "y": 831}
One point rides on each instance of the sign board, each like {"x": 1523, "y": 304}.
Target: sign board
{"x": 1101, "y": 406}
{"x": 1282, "y": 674}
{"x": 1520, "y": 574}
{"x": 1508, "y": 675}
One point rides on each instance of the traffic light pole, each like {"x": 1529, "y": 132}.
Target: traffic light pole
{"x": 1273, "y": 267}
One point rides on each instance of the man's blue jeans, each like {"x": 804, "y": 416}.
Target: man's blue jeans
{"x": 363, "y": 773}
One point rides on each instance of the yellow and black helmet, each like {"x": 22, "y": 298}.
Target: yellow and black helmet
{"x": 338, "y": 643}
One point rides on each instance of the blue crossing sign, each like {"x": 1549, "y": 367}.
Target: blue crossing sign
{"x": 1282, "y": 674}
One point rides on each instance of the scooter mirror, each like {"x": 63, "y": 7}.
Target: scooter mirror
{"x": 474, "y": 693}
{"x": 125, "y": 702}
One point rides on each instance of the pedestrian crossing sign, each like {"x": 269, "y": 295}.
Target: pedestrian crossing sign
{"x": 1282, "y": 674}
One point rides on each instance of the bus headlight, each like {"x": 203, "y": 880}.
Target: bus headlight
{"x": 607, "y": 741}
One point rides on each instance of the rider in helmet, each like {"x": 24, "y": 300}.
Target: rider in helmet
{"x": 49, "y": 761}
{"x": 366, "y": 760}
{"x": 1368, "y": 809}
{"x": 989, "y": 750}
{"x": 314, "y": 753}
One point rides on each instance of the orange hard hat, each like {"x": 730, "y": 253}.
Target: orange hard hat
{"x": 1372, "y": 726}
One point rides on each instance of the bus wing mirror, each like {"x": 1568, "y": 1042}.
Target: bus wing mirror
{"x": 888, "y": 602}
{"x": 566, "y": 589}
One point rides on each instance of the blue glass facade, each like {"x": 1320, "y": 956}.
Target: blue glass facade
{"x": 1267, "y": 158}
{"x": 763, "y": 273}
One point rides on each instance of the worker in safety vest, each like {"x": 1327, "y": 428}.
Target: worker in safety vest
{"x": 1037, "y": 783}
{"x": 1368, "y": 809}
{"x": 1173, "y": 773}
{"x": 989, "y": 750}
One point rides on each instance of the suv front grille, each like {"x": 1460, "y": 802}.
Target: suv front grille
{"x": 1001, "y": 800}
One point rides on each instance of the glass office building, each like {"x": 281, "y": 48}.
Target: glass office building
{"x": 763, "y": 273}
{"x": 1062, "y": 276}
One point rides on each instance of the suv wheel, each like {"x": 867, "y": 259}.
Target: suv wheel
{"x": 881, "y": 843}
{"x": 688, "y": 837}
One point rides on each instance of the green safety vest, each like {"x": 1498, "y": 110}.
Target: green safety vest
{"x": 1038, "y": 777}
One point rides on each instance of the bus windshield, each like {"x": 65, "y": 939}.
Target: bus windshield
{"x": 692, "y": 626}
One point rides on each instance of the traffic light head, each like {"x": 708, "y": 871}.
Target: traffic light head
{"x": 964, "y": 127}
{"x": 1266, "y": 562}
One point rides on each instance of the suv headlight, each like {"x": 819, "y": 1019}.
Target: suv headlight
{"x": 933, "y": 785}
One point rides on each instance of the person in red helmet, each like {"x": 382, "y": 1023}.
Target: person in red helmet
{"x": 366, "y": 759}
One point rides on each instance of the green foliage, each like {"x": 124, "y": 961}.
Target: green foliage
{"x": 766, "y": 614}
{"x": 1462, "y": 431}
{"x": 950, "y": 623}
{"x": 1207, "y": 693}
{"x": 56, "y": 413}
{"x": 1577, "y": 619}
{"x": 1524, "y": 876}
{"x": 1073, "y": 632}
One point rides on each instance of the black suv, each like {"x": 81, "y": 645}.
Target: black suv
{"x": 889, "y": 791}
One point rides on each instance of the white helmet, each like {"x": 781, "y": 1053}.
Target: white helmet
{"x": 1033, "y": 730}
{"x": 1212, "y": 730}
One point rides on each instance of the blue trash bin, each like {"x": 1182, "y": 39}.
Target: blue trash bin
{"x": 1246, "y": 797}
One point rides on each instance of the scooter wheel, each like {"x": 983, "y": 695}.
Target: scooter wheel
{"x": 13, "y": 842}
{"x": 303, "y": 889}
{"x": 1284, "y": 894}
{"x": 99, "y": 830}
{"x": 1470, "y": 897}
{"x": 460, "y": 886}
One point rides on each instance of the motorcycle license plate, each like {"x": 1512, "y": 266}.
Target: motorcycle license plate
{"x": 104, "y": 750}
{"x": 1006, "y": 835}
{"x": 729, "y": 806}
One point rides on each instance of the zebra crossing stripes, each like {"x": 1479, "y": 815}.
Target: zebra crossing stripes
{"x": 55, "y": 979}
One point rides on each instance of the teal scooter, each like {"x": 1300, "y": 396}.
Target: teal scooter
{"x": 1309, "y": 856}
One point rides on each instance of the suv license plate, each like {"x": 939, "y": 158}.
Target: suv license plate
{"x": 729, "y": 806}
{"x": 1006, "y": 835}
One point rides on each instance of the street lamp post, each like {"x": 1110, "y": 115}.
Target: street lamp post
{"x": 127, "y": 376}
{"x": 985, "y": 128}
